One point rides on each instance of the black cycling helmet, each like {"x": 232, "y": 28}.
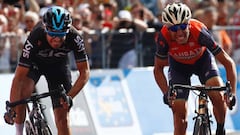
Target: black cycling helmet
{"x": 57, "y": 19}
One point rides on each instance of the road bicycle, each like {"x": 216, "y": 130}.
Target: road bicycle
{"x": 36, "y": 124}
{"x": 202, "y": 120}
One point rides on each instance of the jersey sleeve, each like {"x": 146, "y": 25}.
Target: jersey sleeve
{"x": 79, "y": 50}
{"x": 161, "y": 46}
{"x": 29, "y": 48}
{"x": 207, "y": 39}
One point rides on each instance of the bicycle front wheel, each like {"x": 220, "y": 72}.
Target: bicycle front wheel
{"x": 201, "y": 127}
{"x": 44, "y": 129}
{"x": 28, "y": 128}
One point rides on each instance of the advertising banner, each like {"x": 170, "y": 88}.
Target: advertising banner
{"x": 120, "y": 102}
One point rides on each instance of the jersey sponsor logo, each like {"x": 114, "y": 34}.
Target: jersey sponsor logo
{"x": 51, "y": 53}
{"x": 187, "y": 54}
{"x": 26, "y": 50}
{"x": 79, "y": 41}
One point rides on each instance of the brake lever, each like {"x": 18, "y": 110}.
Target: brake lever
{"x": 66, "y": 98}
{"x": 10, "y": 114}
{"x": 230, "y": 98}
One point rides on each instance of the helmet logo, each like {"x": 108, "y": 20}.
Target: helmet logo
{"x": 58, "y": 18}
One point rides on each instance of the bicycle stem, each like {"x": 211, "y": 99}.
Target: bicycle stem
{"x": 202, "y": 103}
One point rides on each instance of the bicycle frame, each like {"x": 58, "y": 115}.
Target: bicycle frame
{"x": 202, "y": 120}
{"x": 36, "y": 124}
{"x": 202, "y": 125}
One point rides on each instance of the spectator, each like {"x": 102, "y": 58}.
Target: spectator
{"x": 222, "y": 20}
{"x": 4, "y": 47}
{"x": 85, "y": 32}
{"x": 139, "y": 11}
{"x": 209, "y": 18}
{"x": 3, "y": 23}
{"x": 85, "y": 12}
{"x": 108, "y": 15}
{"x": 4, "y": 55}
{"x": 30, "y": 19}
{"x": 235, "y": 21}
{"x": 14, "y": 33}
{"x": 122, "y": 46}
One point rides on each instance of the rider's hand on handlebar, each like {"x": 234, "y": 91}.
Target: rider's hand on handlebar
{"x": 169, "y": 97}
{"x": 66, "y": 102}
{"x": 230, "y": 100}
{"x": 9, "y": 116}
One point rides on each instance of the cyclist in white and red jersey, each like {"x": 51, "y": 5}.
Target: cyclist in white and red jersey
{"x": 187, "y": 47}
{"x": 46, "y": 53}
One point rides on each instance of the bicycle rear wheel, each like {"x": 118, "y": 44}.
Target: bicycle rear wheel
{"x": 28, "y": 128}
{"x": 201, "y": 127}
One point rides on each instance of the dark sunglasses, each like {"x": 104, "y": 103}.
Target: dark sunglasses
{"x": 175, "y": 28}
{"x": 56, "y": 34}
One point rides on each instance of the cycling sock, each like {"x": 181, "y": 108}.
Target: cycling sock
{"x": 220, "y": 129}
{"x": 19, "y": 128}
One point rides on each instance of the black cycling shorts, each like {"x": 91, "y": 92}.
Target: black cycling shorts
{"x": 205, "y": 68}
{"x": 57, "y": 75}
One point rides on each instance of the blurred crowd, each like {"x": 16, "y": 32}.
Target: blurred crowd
{"x": 117, "y": 33}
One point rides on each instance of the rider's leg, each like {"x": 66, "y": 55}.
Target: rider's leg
{"x": 179, "y": 109}
{"x": 21, "y": 92}
{"x": 179, "y": 106}
{"x": 62, "y": 121}
{"x": 219, "y": 106}
{"x": 59, "y": 76}
{"x": 19, "y": 128}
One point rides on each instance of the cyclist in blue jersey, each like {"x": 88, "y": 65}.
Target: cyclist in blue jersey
{"x": 45, "y": 52}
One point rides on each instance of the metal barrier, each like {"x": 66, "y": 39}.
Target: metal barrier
{"x": 142, "y": 42}
{"x": 145, "y": 44}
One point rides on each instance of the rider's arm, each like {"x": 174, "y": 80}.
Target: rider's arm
{"x": 230, "y": 67}
{"x": 158, "y": 71}
{"x": 17, "y": 83}
{"x": 19, "y": 90}
{"x": 207, "y": 40}
{"x": 160, "y": 61}
{"x": 84, "y": 70}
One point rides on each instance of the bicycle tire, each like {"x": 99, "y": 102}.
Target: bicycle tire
{"x": 197, "y": 125}
{"x": 28, "y": 128}
{"x": 201, "y": 128}
{"x": 46, "y": 130}
{"x": 43, "y": 129}
{"x": 204, "y": 129}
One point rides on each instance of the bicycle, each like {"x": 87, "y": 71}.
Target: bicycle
{"x": 202, "y": 120}
{"x": 36, "y": 124}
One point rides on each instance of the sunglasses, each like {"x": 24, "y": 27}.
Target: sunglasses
{"x": 56, "y": 34}
{"x": 175, "y": 28}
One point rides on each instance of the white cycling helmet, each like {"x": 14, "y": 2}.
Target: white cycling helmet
{"x": 176, "y": 13}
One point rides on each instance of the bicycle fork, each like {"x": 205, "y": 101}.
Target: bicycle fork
{"x": 203, "y": 110}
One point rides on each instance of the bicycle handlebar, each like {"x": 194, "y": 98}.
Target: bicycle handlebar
{"x": 35, "y": 97}
{"x": 226, "y": 88}
{"x": 58, "y": 93}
